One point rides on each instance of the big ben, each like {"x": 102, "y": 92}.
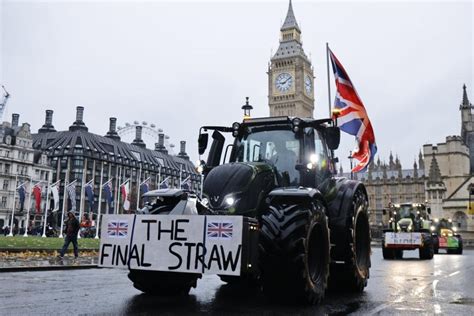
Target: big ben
{"x": 290, "y": 74}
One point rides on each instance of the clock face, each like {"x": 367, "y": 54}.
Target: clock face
{"x": 308, "y": 85}
{"x": 283, "y": 81}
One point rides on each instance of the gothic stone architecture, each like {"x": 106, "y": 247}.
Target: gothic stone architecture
{"x": 20, "y": 163}
{"x": 390, "y": 183}
{"x": 290, "y": 74}
{"x": 443, "y": 178}
{"x": 450, "y": 167}
{"x": 77, "y": 154}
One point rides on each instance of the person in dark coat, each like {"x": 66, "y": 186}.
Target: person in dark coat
{"x": 72, "y": 228}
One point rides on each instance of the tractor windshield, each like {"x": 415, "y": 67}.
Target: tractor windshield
{"x": 406, "y": 211}
{"x": 280, "y": 148}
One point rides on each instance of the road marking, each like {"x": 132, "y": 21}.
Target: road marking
{"x": 437, "y": 309}
{"x": 435, "y": 283}
{"x": 454, "y": 273}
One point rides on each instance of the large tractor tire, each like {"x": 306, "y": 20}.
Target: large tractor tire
{"x": 435, "y": 244}
{"x": 352, "y": 275}
{"x": 427, "y": 251}
{"x": 459, "y": 250}
{"x": 294, "y": 244}
{"x": 163, "y": 283}
{"x": 398, "y": 254}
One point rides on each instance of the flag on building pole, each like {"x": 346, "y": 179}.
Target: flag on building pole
{"x": 186, "y": 184}
{"x": 55, "y": 193}
{"x": 144, "y": 188}
{"x": 21, "y": 194}
{"x": 37, "y": 194}
{"x": 165, "y": 184}
{"x": 89, "y": 191}
{"x": 351, "y": 116}
{"x": 125, "y": 194}
{"x": 109, "y": 197}
{"x": 71, "y": 192}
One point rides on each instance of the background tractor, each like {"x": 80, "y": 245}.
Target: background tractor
{"x": 279, "y": 174}
{"x": 408, "y": 229}
{"x": 445, "y": 236}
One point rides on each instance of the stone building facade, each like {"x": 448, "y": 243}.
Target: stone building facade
{"x": 20, "y": 164}
{"x": 290, "y": 74}
{"x": 390, "y": 183}
{"x": 81, "y": 156}
{"x": 450, "y": 169}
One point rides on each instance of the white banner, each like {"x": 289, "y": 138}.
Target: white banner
{"x": 403, "y": 239}
{"x": 54, "y": 191}
{"x": 175, "y": 243}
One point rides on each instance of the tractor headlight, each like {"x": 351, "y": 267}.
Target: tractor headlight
{"x": 296, "y": 125}
{"x": 432, "y": 228}
{"x": 436, "y": 220}
{"x": 205, "y": 201}
{"x": 229, "y": 201}
{"x": 235, "y": 129}
{"x": 455, "y": 229}
{"x": 410, "y": 227}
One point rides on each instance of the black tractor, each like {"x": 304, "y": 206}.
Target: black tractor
{"x": 279, "y": 174}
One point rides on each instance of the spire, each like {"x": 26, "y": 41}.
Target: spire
{"x": 415, "y": 169}
{"x": 421, "y": 162}
{"x": 465, "y": 101}
{"x": 435, "y": 174}
{"x": 290, "y": 20}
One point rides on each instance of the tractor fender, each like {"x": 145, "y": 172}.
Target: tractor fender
{"x": 295, "y": 195}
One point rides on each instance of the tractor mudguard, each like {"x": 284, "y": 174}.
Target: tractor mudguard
{"x": 340, "y": 216}
{"x": 300, "y": 194}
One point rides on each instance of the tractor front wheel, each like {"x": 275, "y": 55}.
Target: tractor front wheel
{"x": 294, "y": 243}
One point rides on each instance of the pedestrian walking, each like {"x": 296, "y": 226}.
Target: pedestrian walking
{"x": 72, "y": 228}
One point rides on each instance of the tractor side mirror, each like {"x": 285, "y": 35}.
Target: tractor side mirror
{"x": 333, "y": 137}
{"x": 202, "y": 142}
{"x": 384, "y": 212}
{"x": 428, "y": 210}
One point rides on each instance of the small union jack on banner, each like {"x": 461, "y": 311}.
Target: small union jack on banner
{"x": 220, "y": 230}
{"x": 352, "y": 117}
{"x": 117, "y": 228}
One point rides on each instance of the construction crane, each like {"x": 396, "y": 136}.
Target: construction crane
{"x": 6, "y": 95}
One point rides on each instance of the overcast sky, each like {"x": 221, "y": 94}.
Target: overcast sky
{"x": 181, "y": 65}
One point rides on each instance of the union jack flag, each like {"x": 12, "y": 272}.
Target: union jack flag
{"x": 352, "y": 117}
{"x": 220, "y": 230}
{"x": 117, "y": 228}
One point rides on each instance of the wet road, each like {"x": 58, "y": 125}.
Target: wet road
{"x": 443, "y": 285}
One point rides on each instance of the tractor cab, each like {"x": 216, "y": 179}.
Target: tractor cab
{"x": 266, "y": 153}
{"x": 407, "y": 217}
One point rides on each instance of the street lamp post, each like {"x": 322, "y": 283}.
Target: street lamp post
{"x": 350, "y": 159}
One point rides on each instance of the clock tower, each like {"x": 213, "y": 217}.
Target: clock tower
{"x": 290, "y": 74}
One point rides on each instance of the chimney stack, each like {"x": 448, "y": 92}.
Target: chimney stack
{"x": 48, "y": 123}
{"x": 112, "y": 133}
{"x": 160, "y": 146}
{"x": 79, "y": 123}
{"x": 182, "y": 152}
{"x": 15, "y": 119}
{"x": 138, "y": 137}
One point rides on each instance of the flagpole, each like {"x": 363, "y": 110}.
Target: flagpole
{"x": 117, "y": 205}
{"x": 13, "y": 207}
{"x": 202, "y": 180}
{"x": 99, "y": 208}
{"x": 81, "y": 200}
{"x": 29, "y": 206}
{"x": 64, "y": 206}
{"x": 180, "y": 176}
{"x": 46, "y": 209}
{"x": 138, "y": 187}
{"x": 329, "y": 85}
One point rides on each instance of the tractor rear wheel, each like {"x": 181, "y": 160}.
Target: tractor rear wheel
{"x": 294, "y": 244}
{"x": 353, "y": 274}
{"x": 163, "y": 283}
